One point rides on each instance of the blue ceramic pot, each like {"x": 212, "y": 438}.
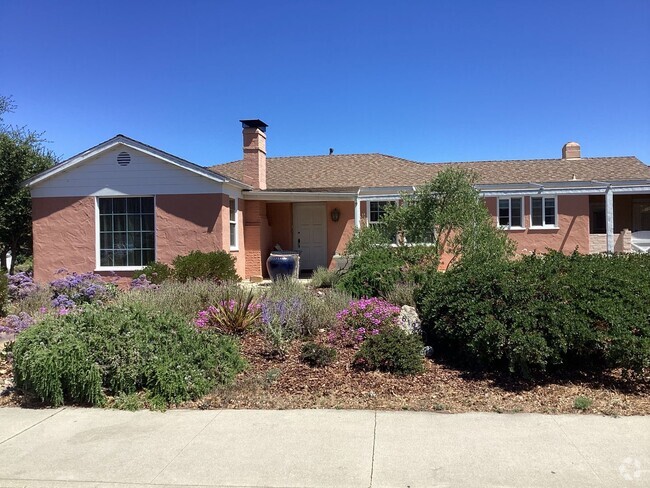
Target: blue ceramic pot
{"x": 282, "y": 264}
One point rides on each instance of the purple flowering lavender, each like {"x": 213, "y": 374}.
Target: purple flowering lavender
{"x": 14, "y": 324}
{"x": 21, "y": 285}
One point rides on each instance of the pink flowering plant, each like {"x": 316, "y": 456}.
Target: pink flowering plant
{"x": 233, "y": 316}
{"x": 363, "y": 318}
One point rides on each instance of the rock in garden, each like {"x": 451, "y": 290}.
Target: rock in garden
{"x": 409, "y": 320}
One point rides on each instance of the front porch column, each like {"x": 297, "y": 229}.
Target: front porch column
{"x": 357, "y": 213}
{"x": 609, "y": 219}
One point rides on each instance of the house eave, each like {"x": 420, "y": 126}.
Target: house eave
{"x": 298, "y": 196}
{"x": 137, "y": 146}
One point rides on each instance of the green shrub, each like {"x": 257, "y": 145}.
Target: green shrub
{"x": 4, "y": 293}
{"x": 317, "y": 355}
{"x": 324, "y": 278}
{"x": 582, "y": 403}
{"x": 155, "y": 272}
{"x": 214, "y": 266}
{"x": 542, "y": 313}
{"x": 393, "y": 350}
{"x": 372, "y": 273}
{"x": 122, "y": 349}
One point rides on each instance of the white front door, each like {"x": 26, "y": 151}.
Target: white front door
{"x": 310, "y": 234}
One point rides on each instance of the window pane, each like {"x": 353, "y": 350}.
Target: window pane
{"x": 105, "y": 206}
{"x": 233, "y": 235}
{"x": 106, "y": 240}
{"x": 119, "y": 205}
{"x": 504, "y": 212}
{"x": 147, "y": 205}
{"x": 130, "y": 257}
{"x": 119, "y": 240}
{"x": 147, "y": 240}
{"x": 147, "y": 222}
{"x": 148, "y": 256}
{"x": 119, "y": 258}
{"x": 106, "y": 258}
{"x": 549, "y": 211}
{"x": 106, "y": 223}
{"x": 536, "y": 210}
{"x": 133, "y": 222}
{"x": 233, "y": 210}
{"x": 515, "y": 206}
{"x": 133, "y": 205}
{"x": 119, "y": 223}
{"x": 134, "y": 240}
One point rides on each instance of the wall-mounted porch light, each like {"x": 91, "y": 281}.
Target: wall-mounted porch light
{"x": 335, "y": 214}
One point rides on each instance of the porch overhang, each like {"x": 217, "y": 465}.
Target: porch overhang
{"x": 298, "y": 196}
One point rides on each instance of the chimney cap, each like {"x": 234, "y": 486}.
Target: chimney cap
{"x": 254, "y": 123}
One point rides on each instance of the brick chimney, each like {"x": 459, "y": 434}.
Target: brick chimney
{"x": 254, "y": 153}
{"x": 571, "y": 150}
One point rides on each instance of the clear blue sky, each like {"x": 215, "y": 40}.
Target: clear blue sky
{"x": 427, "y": 80}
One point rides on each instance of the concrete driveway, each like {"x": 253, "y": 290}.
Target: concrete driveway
{"x": 72, "y": 447}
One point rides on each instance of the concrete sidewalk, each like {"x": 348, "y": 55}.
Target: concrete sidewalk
{"x": 97, "y": 448}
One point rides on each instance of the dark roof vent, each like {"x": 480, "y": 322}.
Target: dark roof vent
{"x": 123, "y": 159}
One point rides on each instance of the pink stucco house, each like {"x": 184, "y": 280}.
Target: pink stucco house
{"x": 121, "y": 204}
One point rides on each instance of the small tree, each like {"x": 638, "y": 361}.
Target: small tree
{"x": 22, "y": 155}
{"x": 445, "y": 215}
{"x": 449, "y": 214}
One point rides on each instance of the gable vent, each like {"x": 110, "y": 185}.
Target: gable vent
{"x": 123, "y": 159}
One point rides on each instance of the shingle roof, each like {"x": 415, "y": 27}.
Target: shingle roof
{"x": 350, "y": 171}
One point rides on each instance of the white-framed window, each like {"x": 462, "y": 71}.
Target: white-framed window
{"x": 125, "y": 232}
{"x": 232, "y": 203}
{"x": 543, "y": 212}
{"x": 510, "y": 213}
{"x": 377, "y": 209}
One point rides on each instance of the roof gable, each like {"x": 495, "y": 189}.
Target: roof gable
{"x": 126, "y": 142}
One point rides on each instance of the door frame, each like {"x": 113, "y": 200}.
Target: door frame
{"x": 322, "y": 259}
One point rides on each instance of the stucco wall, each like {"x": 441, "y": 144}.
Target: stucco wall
{"x": 64, "y": 231}
{"x": 64, "y": 235}
{"x": 339, "y": 233}
{"x": 187, "y": 223}
{"x": 572, "y": 232}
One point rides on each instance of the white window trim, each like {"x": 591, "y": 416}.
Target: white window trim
{"x": 544, "y": 225}
{"x": 234, "y": 247}
{"x": 512, "y": 227}
{"x": 368, "y": 202}
{"x": 98, "y": 266}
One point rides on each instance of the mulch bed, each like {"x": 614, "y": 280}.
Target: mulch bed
{"x": 287, "y": 384}
{"x": 274, "y": 383}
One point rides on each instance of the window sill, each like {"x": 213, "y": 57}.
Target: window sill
{"x": 545, "y": 227}
{"x": 234, "y": 249}
{"x": 505, "y": 227}
{"x": 118, "y": 268}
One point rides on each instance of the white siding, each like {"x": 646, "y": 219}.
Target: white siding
{"x": 145, "y": 175}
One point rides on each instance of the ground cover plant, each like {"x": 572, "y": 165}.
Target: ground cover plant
{"x": 98, "y": 350}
